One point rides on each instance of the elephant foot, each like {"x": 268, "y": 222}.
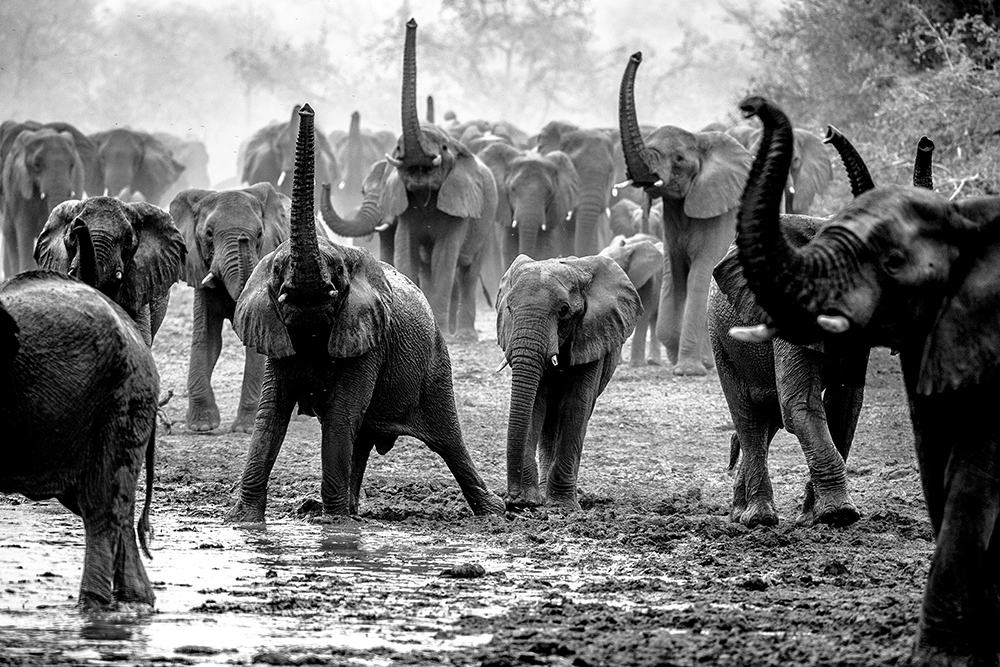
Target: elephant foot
{"x": 835, "y": 509}
{"x": 636, "y": 362}
{"x": 654, "y": 361}
{"x": 759, "y": 512}
{"x": 93, "y": 600}
{"x": 522, "y": 498}
{"x": 489, "y": 503}
{"x": 690, "y": 368}
{"x": 925, "y": 656}
{"x": 243, "y": 423}
{"x": 246, "y": 512}
{"x": 202, "y": 418}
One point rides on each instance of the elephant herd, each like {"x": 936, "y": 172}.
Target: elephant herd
{"x": 716, "y": 255}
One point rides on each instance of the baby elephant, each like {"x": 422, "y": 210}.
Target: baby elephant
{"x": 641, "y": 257}
{"x": 561, "y": 324}
{"x": 78, "y": 399}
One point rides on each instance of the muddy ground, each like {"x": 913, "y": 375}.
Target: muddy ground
{"x": 651, "y": 572}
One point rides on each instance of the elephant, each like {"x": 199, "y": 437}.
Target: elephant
{"x": 133, "y": 161}
{"x": 226, "y": 232}
{"x": 352, "y": 341}
{"x": 628, "y": 218}
{"x": 813, "y": 391}
{"x": 41, "y": 166}
{"x": 269, "y": 154}
{"x": 641, "y": 257}
{"x": 536, "y": 194}
{"x": 131, "y": 252}
{"x": 193, "y": 154}
{"x": 443, "y": 199}
{"x": 561, "y": 324}
{"x": 811, "y": 172}
{"x": 699, "y": 177}
{"x": 78, "y": 400}
{"x": 905, "y": 268}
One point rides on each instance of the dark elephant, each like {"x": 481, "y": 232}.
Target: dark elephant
{"x": 699, "y": 177}
{"x": 905, "y": 268}
{"x": 41, "y": 166}
{"x": 561, "y": 324}
{"x": 193, "y": 155}
{"x": 641, "y": 258}
{"x": 353, "y": 342}
{"x": 226, "y": 233}
{"x": 268, "y": 156}
{"x": 135, "y": 163}
{"x": 536, "y": 195}
{"x": 443, "y": 199}
{"x": 132, "y": 252}
{"x": 78, "y": 399}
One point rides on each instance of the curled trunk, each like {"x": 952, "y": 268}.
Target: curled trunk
{"x": 304, "y": 245}
{"x": 363, "y": 223}
{"x": 413, "y": 152}
{"x": 636, "y": 155}
{"x": 923, "y": 176}
{"x": 857, "y": 170}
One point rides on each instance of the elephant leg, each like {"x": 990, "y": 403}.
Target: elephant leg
{"x": 10, "y": 252}
{"x": 253, "y": 369}
{"x": 566, "y": 428}
{"x": 26, "y": 250}
{"x": 694, "y": 327}
{"x": 653, "y": 358}
{"x": 637, "y": 348}
{"x": 206, "y": 345}
{"x": 270, "y": 426}
{"x": 466, "y": 282}
{"x": 340, "y": 431}
{"x": 367, "y": 439}
{"x": 444, "y": 266}
{"x": 673, "y": 294}
{"x": 798, "y": 376}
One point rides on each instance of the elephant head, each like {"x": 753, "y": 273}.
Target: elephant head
{"x": 310, "y": 295}
{"x": 132, "y": 253}
{"x": 135, "y": 161}
{"x": 705, "y": 171}
{"x": 536, "y": 194}
{"x": 42, "y": 163}
{"x": 557, "y": 314}
{"x": 227, "y": 232}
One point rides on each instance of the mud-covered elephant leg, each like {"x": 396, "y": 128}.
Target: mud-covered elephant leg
{"x": 341, "y": 423}
{"x": 367, "y": 440}
{"x": 253, "y": 371}
{"x": 206, "y": 345}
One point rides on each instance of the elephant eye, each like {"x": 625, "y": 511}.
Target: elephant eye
{"x": 208, "y": 233}
{"x": 894, "y": 261}
{"x": 564, "y": 309}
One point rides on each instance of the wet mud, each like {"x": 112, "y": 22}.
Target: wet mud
{"x": 650, "y": 572}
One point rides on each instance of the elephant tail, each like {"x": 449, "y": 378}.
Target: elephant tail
{"x": 734, "y": 452}
{"x": 144, "y": 527}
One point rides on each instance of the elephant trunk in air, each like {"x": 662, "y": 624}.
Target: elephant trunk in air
{"x": 634, "y": 148}
{"x": 363, "y": 223}
{"x": 922, "y": 172}
{"x": 307, "y": 266}
{"x": 414, "y": 154}
{"x": 857, "y": 170}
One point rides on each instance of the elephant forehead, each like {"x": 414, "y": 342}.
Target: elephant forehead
{"x": 231, "y": 208}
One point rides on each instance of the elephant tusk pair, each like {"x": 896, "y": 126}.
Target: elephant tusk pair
{"x": 835, "y": 324}
{"x": 207, "y": 279}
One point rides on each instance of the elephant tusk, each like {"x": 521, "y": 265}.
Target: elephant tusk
{"x": 658, "y": 183}
{"x": 384, "y": 226}
{"x": 42, "y": 195}
{"x": 118, "y": 275}
{"x": 513, "y": 223}
{"x": 281, "y": 178}
{"x": 607, "y": 212}
{"x": 207, "y": 279}
{"x": 282, "y": 298}
{"x": 618, "y": 186}
{"x": 543, "y": 227}
{"x": 833, "y": 323}
{"x": 569, "y": 215}
{"x": 757, "y": 334}
{"x": 503, "y": 364}
{"x": 791, "y": 189}
{"x": 342, "y": 185}
{"x": 436, "y": 161}
{"x": 555, "y": 360}
{"x": 393, "y": 161}
{"x": 332, "y": 293}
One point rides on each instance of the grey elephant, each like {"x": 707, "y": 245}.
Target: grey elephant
{"x": 442, "y": 199}
{"x": 132, "y": 252}
{"x": 193, "y": 155}
{"x": 561, "y": 324}
{"x": 628, "y": 218}
{"x": 641, "y": 257}
{"x": 41, "y": 166}
{"x": 699, "y": 177}
{"x": 135, "y": 162}
{"x": 904, "y": 267}
{"x": 352, "y": 341}
{"x": 227, "y": 233}
{"x": 536, "y": 194}
{"x": 78, "y": 399}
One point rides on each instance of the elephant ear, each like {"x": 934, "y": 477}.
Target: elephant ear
{"x": 183, "y": 210}
{"x": 725, "y": 165}
{"x": 158, "y": 260}
{"x": 815, "y": 169}
{"x": 365, "y": 316}
{"x": 277, "y": 209}
{"x": 256, "y": 320}
{"x": 50, "y": 247}
{"x": 16, "y": 175}
{"x": 612, "y": 308}
{"x": 465, "y": 192}
{"x": 498, "y": 158}
{"x": 567, "y": 187}
{"x": 393, "y": 201}
{"x": 644, "y": 259}
{"x": 504, "y": 325}
{"x": 9, "y": 343}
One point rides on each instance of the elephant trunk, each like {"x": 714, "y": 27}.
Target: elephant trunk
{"x": 637, "y": 161}
{"x": 354, "y": 133}
{"x": 363, "y": 223}
{"x": 527, "y": 356}
{"x": 430, "y": 108}
{"x": 291, "y": 133}
{"x": 86, "y": 269}
{"x": 923, "y": 176}
{"x": 307, "y": 268}
{"x": 414, "y": 154}
{"x": 527, "y": 219}
{"x": 857, "y": 170}
{"x": 592, "y": 205}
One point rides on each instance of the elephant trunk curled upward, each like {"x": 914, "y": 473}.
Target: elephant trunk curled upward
{"x": 352, "y": 341}
{"x": 561, "y": 324}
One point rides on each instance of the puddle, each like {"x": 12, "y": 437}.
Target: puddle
{"x": 236, "y": 591}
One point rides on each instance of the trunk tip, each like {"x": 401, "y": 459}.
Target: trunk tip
{"x": 925, "y": 144}
{"x": 636, "y": 57}
{"x": 356, "y": 117}
{"x": 831, "y": 134}
{"x": 753, "y": 105}
{"x": 411, "y": 24}
{"x": 305, "y": 110}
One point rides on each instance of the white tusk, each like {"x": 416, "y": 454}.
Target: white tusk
{"x": 503, "y": 364}
{"x": 618, "y": 186}
{"x": 342, "y": 185}
{"x": 833, "y": 323}
{"x": 384, "y": 226}
{"x": 791, "y": 189}
{"x": 42, "y": 195}
{"x": 281, "y": 299}
{"x": 658, "y": 183}
{"x": 555, "y": 359}
{"x": 281, "y": 178}
{"x": 607, "y": 211}
{"x": 569, "y": 215}
{"x": 207, "y": 279}
{"x": 757, "y": 334}
{"x": 513, "y": 223}
{"x": 332, "y": 293}
{"x": 118, "y": 275}
{"x": 543, "y": 227}
{"x": 393, "y": 161}
{"x": 436, "y": 161}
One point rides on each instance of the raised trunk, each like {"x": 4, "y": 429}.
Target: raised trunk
{"x": 923, "y": 176}
{"x": 86, "y": 258}
{"x": 307, "y": 273}
{"x": 430, "y": 108}
{"x": 355, "y": 132}
{"x": 413, "y": 153}
{"x": 364, "y": 223}
{"x": 857, "y": 170}
{"x": 637, "y": 167}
